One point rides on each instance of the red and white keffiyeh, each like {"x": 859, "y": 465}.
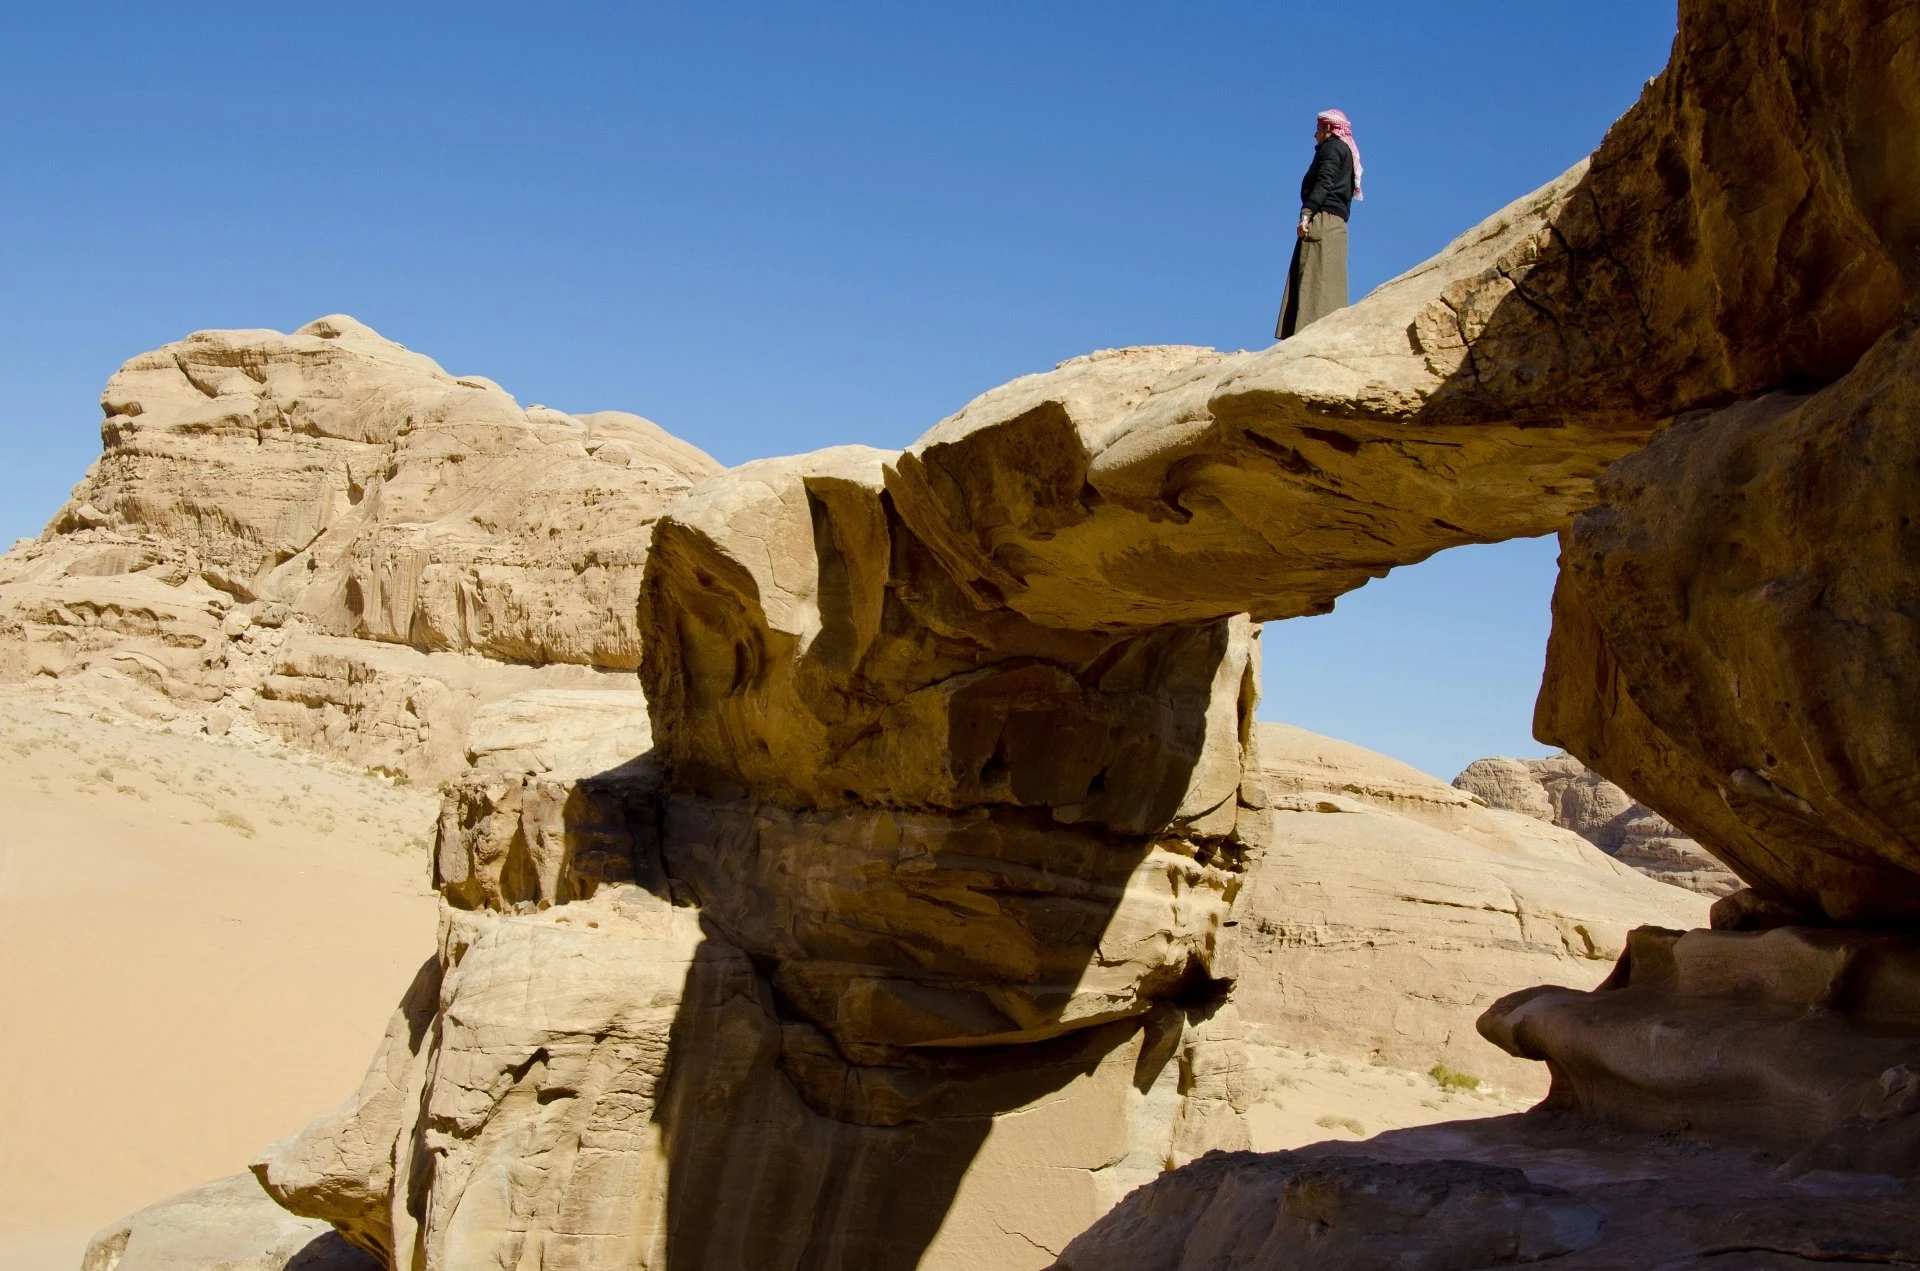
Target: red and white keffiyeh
{"x": 1343, "y": 129}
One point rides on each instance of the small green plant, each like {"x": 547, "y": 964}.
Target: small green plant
{"x": 103, "y": 772}
{"x": 1453, "y": 1079}
{"x": 1331, "y": 1122}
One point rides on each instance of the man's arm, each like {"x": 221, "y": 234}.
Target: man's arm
{"x": 1322, "y": 177}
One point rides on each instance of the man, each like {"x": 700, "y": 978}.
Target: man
{"x": 1317, "y": 278}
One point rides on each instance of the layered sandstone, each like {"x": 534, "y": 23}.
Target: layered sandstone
{"x": 1566, "y": 792}
{"x": 1388, "y": 909}
{"x": 327, "y": 537}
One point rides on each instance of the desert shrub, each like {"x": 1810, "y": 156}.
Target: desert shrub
{"x": 234, "y": 821}
{"x": 1453, "y": 1079}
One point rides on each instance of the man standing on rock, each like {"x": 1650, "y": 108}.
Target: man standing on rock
{"x": 1317, "y": 278}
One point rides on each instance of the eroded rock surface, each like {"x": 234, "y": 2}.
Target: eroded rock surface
{"x": 314, "y": 534}
{"x": 1534, "y": 1190}
{"x": 1795, "y": 1041}
{"x": 696, "y": 1101}
{"x": 953, "y": 753}
{"x": 1732, "y": 631}
{"x": 1388, "y": 909}
{"x": 1569, "y": 794}
{"x": 231, "y": 1225}
{"x": 1731, "y": 645}
{"x": 658, "y": 1108}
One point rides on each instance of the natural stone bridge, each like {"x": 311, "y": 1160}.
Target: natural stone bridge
{"x": 952, "y": 747}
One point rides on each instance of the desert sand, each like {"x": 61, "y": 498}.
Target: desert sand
{"x": 200, "y": 942}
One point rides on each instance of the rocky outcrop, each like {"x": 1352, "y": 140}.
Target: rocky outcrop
{"x": 658, "y": 1109}
{"x": 1730, "y": 646}
{"x": 1569, "y": 794}
{"x": 314, "y": 534}
{"x": 230, "y": 1224}
{"x": 1534, "y": 1190}
{"x": 1388, "y": 909}
{"x": 680, "y": 1097}
{"x": 1731, "y": 631}
{"x": 1795, "y": 1041}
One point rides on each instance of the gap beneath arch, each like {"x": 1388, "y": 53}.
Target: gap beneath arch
{"x": 1437, "y": 664}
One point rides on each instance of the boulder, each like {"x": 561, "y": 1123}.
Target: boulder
{"x": 231, "y": 1225}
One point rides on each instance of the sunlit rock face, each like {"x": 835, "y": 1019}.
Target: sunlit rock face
{"x": 1566, "y": 792}
{"x": 309, "y": 535}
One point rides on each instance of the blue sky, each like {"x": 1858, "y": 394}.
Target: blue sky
{"x": 777, "y": 227}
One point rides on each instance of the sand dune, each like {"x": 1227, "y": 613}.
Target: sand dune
{"x": 199, "y": 946}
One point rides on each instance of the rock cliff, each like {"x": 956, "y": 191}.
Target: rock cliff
{"x": 315, "y": 534}
{"x": 1571, "y": 795}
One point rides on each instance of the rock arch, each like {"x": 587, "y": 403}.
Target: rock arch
{"x": 990, "y": 698}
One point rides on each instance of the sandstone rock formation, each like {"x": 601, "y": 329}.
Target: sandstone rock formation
{"x": 314, "y": 534}
{"x": 690, "y": 1100}
{"x": 1730, "y": 639}
{"x": 1389, "y": 908}
{"x": 1533, "y": 1190}
{"x": 1731, "y": 646}
{"x": 231, "y": 1225}
{"x": 1569, "y": 794}
{"x": 953, "y": 755}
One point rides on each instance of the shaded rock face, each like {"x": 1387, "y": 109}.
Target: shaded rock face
{"x": 1566, "y": 792}
{"x": 1533, "y": 1190}
{"x": 1796, "y": 1041}
{"x": 660, "y": 1108}
{"x": 1731, "y": 636}
{"x": 299, "y": 532}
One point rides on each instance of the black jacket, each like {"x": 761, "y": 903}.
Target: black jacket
{"x": 1328, "y": 185}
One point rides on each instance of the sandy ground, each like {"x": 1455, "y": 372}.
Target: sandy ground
{"x": 1305, "y": 1096}
{"x": 199, "y": 947}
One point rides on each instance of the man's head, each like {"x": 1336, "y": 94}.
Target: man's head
{"x": 1321, "y": 130}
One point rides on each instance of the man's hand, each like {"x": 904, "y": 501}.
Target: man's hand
{"x": 1304, "y": 228}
